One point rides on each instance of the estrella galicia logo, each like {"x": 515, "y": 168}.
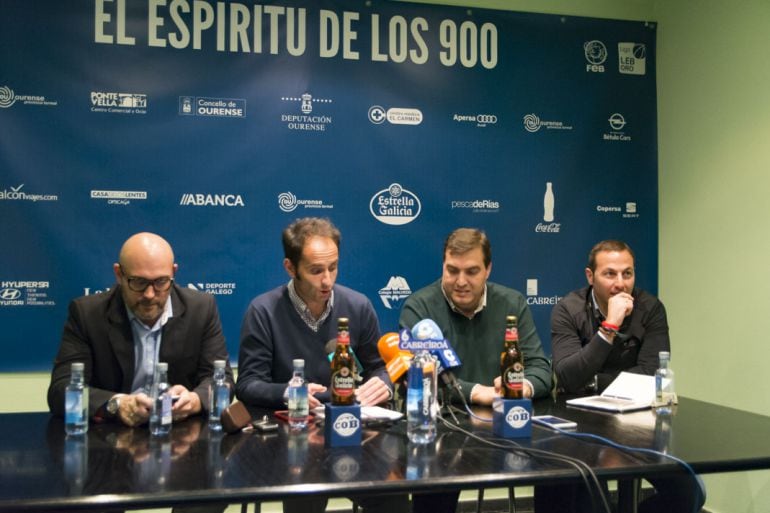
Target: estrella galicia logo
{"x": 395, "y": 205}
{"x": 394, "y": 293}
{"x": 596, "y": 54}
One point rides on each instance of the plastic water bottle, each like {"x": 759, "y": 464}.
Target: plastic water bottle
{"x": 297, "y": 397}
{"x": 421, "y": 401}
{"x": 160, "y": 416}
{"x": 76, "y": 402}
{"x": 219, "y": 396}
{"x": 665, "y": 397}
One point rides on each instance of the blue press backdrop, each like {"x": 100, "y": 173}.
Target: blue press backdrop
{"x": 104, "y": 132}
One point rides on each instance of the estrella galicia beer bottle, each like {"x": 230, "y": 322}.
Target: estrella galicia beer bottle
{"x": 511, "y": 362}
{"x": 343, "y": 383}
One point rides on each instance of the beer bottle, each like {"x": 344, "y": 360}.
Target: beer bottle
{"x": 343, "y": 382}
{"x": 511, "y": 362}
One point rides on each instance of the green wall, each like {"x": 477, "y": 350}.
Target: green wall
{"x": 714, "y": 150}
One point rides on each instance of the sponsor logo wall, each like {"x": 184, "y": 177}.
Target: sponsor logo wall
{"x": 398, "y": 121}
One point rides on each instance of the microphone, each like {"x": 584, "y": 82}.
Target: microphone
{"x": 331, "y": 346}
{"x": 396, "y": 360}
{"x": 447, "y": 357}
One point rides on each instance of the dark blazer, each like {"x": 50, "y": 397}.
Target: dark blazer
{"x": 98, "y": 333}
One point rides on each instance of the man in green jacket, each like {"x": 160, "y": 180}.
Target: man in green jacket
{"x": 471, "y": 313}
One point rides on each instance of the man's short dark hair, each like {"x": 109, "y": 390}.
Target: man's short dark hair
{"x": 608, "y": 245}
{"x": 463, "y": 240}
{"x": 296, "y": 234}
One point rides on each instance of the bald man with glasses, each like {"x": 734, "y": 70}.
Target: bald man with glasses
{"x": 120, "y": 335}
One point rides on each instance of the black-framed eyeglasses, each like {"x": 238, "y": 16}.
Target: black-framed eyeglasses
{"x": 161, "y": 284}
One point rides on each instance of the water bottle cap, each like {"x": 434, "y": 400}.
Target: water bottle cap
{"x": 219, "y": 364}
{"x": 298, "y": 362}
{"x": 664, "y": 355}
{"x": 78, "y": 366}
{"x": 162, "y": 366}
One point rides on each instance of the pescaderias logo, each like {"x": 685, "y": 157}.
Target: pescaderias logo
{"x": 211, "y": 200}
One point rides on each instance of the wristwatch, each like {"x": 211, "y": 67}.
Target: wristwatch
{"x": 113, "y": 405}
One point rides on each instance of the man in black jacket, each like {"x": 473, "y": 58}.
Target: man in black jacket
{"x": 596, "y": 332}
{"x": 120, "y": 336}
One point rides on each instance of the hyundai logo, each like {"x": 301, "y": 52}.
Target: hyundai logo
{"x": 10, "y": 294}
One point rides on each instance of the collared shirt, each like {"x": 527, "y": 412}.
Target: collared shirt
{"x": 480, "y": 307}
{"x": 304, "y": 312}
{"x": 147, "y": 347}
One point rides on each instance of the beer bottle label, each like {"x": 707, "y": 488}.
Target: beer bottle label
{"x": 343, "y": 383}
{"x": 513, "y": 377}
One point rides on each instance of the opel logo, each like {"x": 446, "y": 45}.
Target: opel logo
{"x": 10, "y": 294}
{"x": 617, "y": 121}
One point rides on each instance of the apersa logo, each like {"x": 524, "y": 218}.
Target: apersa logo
{"x": 395, "y": 205}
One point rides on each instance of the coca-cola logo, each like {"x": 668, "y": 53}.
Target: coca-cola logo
{"x": 548, "y": 228}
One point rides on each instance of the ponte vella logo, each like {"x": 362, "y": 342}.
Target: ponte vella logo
{"x": 395, "y": 205}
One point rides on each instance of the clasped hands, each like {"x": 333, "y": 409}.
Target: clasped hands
{"x": 135, "y": 408}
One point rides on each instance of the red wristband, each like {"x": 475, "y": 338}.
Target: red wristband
{"x": 609, "y": 326}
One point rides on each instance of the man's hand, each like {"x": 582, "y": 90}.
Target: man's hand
{"x": 372, "y": 392}
{"x": 134, "y": 409}
{"x": 189, "y": 403}
{"x": 619, "y": 307}
{"x": 484, "y": 395}
{"x": 312, "y": 389}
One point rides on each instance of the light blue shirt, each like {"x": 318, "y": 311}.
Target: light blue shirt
{"x": 147, "y": 347}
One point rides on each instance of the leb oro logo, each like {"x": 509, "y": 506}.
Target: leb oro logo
{"x": 347, "y": 424}
{"x": 517, "y": 417}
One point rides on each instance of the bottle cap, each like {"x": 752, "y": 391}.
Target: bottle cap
{"x": 78, "y": 366}
{"x": 219, "y": 364}
{"x": 162, "y": 366}
{"x": 664, "y": 355}
{"x": 298, "y": 362}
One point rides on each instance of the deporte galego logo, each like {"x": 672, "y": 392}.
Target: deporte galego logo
{"x": 395, "y": 205}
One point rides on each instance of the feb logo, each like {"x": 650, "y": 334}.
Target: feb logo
{"x": 395, "y": 205}
{"x": 517, "y": 417}
{"x": 347, "y": 424}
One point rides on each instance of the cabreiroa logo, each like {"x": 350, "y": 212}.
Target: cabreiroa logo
{"x": 395, "y": 205}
